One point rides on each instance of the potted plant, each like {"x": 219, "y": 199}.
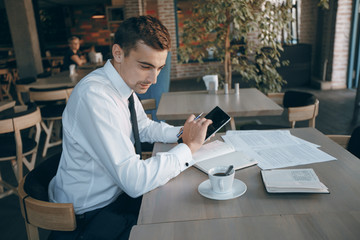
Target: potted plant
{"x": 245, "y": 35}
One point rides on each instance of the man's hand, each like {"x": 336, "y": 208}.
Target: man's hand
{"x": 194, "y": 132}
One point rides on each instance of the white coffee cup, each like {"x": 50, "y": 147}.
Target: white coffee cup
{"x": 220, "y": 182}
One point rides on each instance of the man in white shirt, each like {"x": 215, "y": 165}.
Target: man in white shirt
{"x": 99, "y": 167}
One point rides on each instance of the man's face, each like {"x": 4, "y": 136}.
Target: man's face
{"x": 75, "y": 44}
{"x": 141, "y": 67}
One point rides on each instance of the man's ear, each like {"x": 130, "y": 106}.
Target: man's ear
{"x": 118, "y": 53}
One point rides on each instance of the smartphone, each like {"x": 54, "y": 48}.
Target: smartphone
{"x": 219, "y": 118}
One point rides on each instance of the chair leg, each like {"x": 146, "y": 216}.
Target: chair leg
{"x": 1, "y": 186}
{"x": 49, "y": 130}
{"x": 312, "y": 123}
{"x": 30, "y": 164}
{"x": 6, "y": 189}
{"x": 32, "y": 232}
{"x": 15, "y": 168}
{"x": 11, "y": 189}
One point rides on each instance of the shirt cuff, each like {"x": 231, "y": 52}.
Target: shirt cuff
{"x": 171, "y": 134}
{"x": 183, "y": 152}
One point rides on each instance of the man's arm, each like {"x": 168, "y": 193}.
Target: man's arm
{"x": 79, "y": 60}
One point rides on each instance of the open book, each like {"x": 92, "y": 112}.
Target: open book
{"x": 218, "y": 153}
{"x": 293, "y": 181}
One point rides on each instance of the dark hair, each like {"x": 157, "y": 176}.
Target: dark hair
{"x": 72, "y": 38}
{"x": 144, "y": 28}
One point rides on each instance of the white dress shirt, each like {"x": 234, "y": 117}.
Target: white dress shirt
{"x": 98, "y": 161}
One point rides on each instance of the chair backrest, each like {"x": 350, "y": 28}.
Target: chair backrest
{"x": 22, "y": 87}
{"x": 354, "y": 142}
{"x": 304, "y": 113}
{"x": 342, "y": 140}
{"x": 276, "y": 97}
{"x": 50, "y": 94}
{"x": 36, "y": 210}
{"x": 14, "y": 123}
{"x": 148, "y": 104}
{"x": 301, "y": 106}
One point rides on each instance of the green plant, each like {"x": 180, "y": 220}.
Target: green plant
{"x": 246, "y": 35}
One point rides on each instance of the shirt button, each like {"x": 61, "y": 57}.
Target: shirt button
{"x": 187, "y": 164}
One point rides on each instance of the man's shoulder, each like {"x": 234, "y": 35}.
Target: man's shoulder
{"x": 95, "y": 82}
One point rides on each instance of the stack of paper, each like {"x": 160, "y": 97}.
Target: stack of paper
{"x": 218, "y": 153}
{"x": 276, "y": 148}
{"x": 293, "y": 180}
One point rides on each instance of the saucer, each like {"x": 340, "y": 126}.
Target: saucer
{"x": 238, "y": 189}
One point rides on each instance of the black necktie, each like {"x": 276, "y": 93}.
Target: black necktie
{"x": 134, "y": 125}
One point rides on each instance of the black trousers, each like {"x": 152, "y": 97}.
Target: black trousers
{"x": 110, "y": 222}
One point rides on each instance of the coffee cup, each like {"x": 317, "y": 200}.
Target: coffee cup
{"x": 220, "y": 182}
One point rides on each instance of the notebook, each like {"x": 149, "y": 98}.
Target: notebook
{"x": 223, "y": 155}
{"x": 292, "y": 181}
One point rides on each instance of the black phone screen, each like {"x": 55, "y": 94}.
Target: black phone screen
{"x": 219, "y": 118}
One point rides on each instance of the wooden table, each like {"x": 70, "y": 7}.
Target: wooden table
{"x": 250, "y": 102}
{"x": 258, "y": 213}
{"x": 329, "y": 225}
{"x": 92, "y": 66}
{"x": 62, "y": 79}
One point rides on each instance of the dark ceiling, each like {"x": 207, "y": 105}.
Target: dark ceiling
{"x": 55, "y": 3}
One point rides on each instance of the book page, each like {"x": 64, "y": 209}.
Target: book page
{"x": 238, "y": 159}
{"x": 292, "y": 178}
{"x": 211, "y": 150}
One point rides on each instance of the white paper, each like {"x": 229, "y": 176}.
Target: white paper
{"x": 293, "y": 180}
{"x": 276, "y": 148}
{"x": 211, "y": 150}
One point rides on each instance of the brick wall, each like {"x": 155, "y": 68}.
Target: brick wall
{"x": 166, "y": 14}
{"x": 341, "y": 44}
{"x": 308, "y": 15}
{"x": 90, "y": 31}
{"x": 328, "y": 32}
{"x": 133, "y": 8}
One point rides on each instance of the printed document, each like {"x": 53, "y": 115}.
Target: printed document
{"x": 276, "y": 148}
{"x": 293, "y": 180}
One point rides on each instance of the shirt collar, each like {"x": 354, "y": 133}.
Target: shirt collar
{"x": 124, "y": 90}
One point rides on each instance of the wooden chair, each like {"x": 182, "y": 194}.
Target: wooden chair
{"x": 301, "y": 106}
{"x": 342, "y": 140}
{"x": 22, "y": 88}
{"x": 15, "y": 146}
{"x": 52, "y": 103}
{"x": 349, "y": 142}
{"x": 6, "y": 80}
{"x": 36, "y": 209}
{"x": 148, "y": 104}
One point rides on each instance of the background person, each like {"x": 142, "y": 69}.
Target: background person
{"x": 73, "y": 55}
{"x": 100, "y": 171}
